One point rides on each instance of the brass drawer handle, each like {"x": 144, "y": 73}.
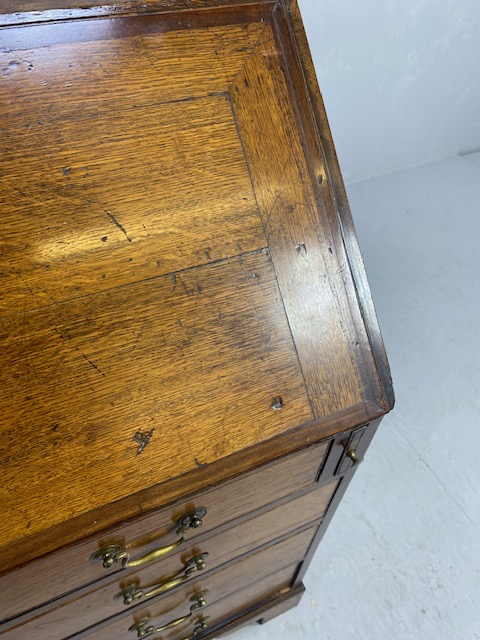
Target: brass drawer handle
{"x": 200, "y": 627}
{"x": 135, "y": 592}
{"x": 143, "y": 630}
{"x": 353, "y": 457}
{"x": 115, "y": 553}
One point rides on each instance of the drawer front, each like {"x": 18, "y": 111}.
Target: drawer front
{"x": 216, "y": 550}
{"x": 51, "y": 577}
{"x": 231, "y": 589}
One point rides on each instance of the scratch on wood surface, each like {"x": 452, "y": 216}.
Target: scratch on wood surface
{"x": 25, "y": 345}
{"x": 32, "y": 292}
{"x": 185, "y": 287}
{"x": 139, "y": 334}
{"x": 257, "y": 315}
{"x": 118, "y": 225}
{"x": 270, "y": 211}
{"x": 65, "y": 336}
{"x": 91, "y": 363}
{"x": 195, "y": 289}
{"x": 182, "y": 440}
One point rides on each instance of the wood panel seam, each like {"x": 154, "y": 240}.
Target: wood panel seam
{"x": 170, "y": 274}
{"x": 258, "y": 43}
{"x": 307, "y": 390}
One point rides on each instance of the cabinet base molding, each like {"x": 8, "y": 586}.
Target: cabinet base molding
{"x": 261, "y": 614}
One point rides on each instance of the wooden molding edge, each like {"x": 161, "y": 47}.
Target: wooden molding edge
{"x": 260, "y": 614}
{"x": 30, "y": 12}
{"x": 79, "y": 529}
{"x": 340, "y": 200}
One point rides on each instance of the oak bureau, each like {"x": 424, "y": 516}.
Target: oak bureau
{"x": 191, "y": 364}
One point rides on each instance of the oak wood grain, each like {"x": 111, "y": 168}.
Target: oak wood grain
{"x": 199, "y": 357}
{"x": 31, "y": 11}
{"x": 71, "y": 531}
{"x": 338, "y": 200}
{"x": 99, "y": 603}
{"x": 47, "y": 579}
{"x": 206, "y": 294}
{"x": 81, "y": 71}
{"x": 309, "y": 274}
{"x": 121, "y": 197}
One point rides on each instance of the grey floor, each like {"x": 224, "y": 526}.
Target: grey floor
{"x": 401, "y": 559}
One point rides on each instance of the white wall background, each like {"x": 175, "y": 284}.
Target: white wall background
{"x": 400, "y": 79}
{"x": 471, "y": 138}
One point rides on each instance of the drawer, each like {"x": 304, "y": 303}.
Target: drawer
{"x": 112, "y": 598}
{"x": 232, "y": 589}
{"x": 55, "y": 575}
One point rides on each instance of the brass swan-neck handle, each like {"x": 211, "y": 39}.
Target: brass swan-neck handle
{"x": 116, "y": 553}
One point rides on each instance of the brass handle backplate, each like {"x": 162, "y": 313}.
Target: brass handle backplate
{"x": 116, "y": 553}
{"x": 135, "y": 592}
{"x": 200, "y": 627}
{"x": 143, "y": 629}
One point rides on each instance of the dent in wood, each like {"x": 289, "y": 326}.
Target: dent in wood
{"x": 277, "y": 403}
{"x": 142, "y": 439}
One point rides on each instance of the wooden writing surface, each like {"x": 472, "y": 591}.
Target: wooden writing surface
{"x": 171, "y": 268}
